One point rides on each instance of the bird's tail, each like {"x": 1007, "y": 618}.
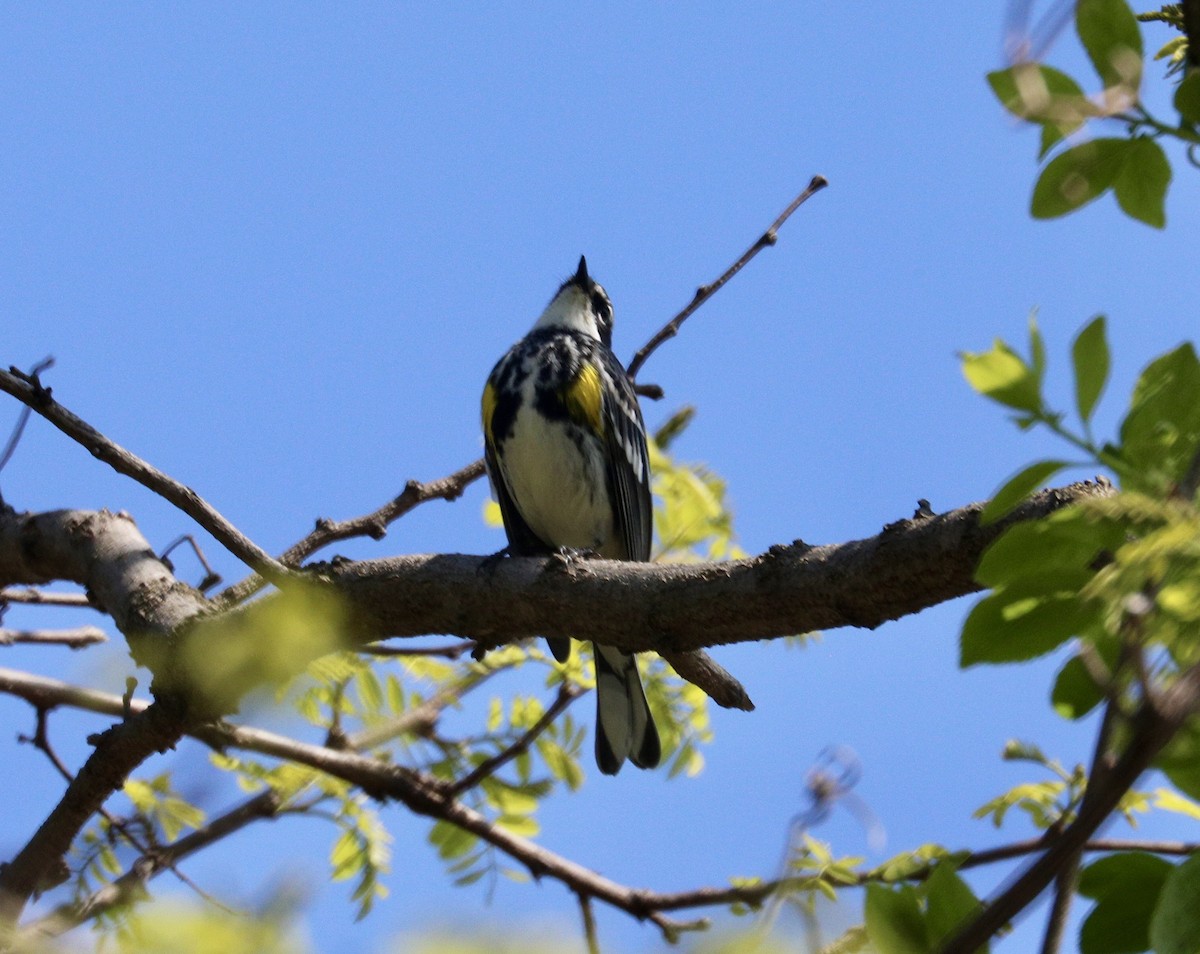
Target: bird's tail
{"x": 624, "y": 726}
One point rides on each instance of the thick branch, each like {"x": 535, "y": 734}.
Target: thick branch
{"x": 105, "y": 553}
{"x": 672, "y": 608}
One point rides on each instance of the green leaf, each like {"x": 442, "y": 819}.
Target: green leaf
{"x": 1076, "y": 176}
{"x": 1110, "y": 34}
{"x": 1041, "y": 94}
{"x": 370, "y": 691}
{"x": 1051, "y": 137}
{"x": 1015, "y": 625}
{"x": 1160, "y": 433}
{"x": 1126, "y": 888}
{"x": 1019, "y": 486}
{"x": 346, "y": 857}
{"x": 951, "y": 904}
{"x": 894, "y": 922}
{"x": 1175, "y": 926}
{"x": 1089, "y": 354}
{"x": 1141, "y": 185}
{"x": 1115, "y": 873}
{"x": 451, "y": 841}
{"x": 1061, "y": 548}
{"x": 1187, "y": 98}
{"x": 1075, "y": 692}
{"x": 1002, "y": 375}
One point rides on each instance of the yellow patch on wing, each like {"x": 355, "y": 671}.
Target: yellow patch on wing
{"x": 584, "y": 397}
{"x": 489, "y": 408}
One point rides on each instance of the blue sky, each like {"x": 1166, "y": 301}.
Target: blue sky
{"x": 275, "y": 250}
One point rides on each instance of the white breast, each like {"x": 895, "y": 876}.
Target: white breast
{"x": 558, "y": 484}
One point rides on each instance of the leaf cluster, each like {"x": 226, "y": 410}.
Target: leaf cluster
{"x": 1133, "y": 166}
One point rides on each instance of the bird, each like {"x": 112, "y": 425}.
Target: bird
{"x": 565, "y": 449}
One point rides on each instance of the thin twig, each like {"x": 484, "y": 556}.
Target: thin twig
{"x": 589, "y": 924}
{"x": 421, "y": 719}
{"x": 264, "y": 806}
{"x": 451, "y": 652}
{"x": 568, "y": 692}
{"x": 77, "y": 638}
{"x": 211, "y": 576}
{"x": 36, "y": 597}
{"x": 705, "y": 292}
{"x": 373, "y": 525}
{"x": 23, "y": 418}
{"x": 29, "y": 391}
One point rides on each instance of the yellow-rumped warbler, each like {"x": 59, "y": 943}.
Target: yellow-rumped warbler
{"x": 566, "y": 454}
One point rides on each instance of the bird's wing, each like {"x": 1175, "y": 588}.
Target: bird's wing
{"x": 628, "y": 463}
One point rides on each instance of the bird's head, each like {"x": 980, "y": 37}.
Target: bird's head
{"x": 580, "y": 304}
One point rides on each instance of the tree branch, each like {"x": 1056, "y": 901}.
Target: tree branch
{"x": 30, "y": 392}
{"x": 705, "y": 292}
{"x": 41, "y": 598}
{"x": 77, "y": 638}
{"x": 119, "y": 750}
{"x": 568, "y": 692}
{"x": 1152, "y": 728}
{"x": 131, "y": 885}
{"x": 664, "y": 608}
{"x": 373, "y": 525}
{"x": 105, "y": 553}
{"x": 426, "y": 796}
{"x": 671, "y": 607}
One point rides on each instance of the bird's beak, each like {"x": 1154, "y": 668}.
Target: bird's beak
{"x": 581, "y": 276}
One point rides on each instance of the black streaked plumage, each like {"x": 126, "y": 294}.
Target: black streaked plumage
{"x": 565, "y": 447}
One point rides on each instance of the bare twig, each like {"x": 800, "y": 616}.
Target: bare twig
{"x": 700, "y": 669}
{"x": 373, "y": 525}
{"x": 420, "y": 719}
{"x": 589, "y": 924}
{"x": 451, "y": 652}
{"x": 705, "y": 292}
{"x": 568, "y": 692}
{"x": 211, "y": 577}
{"x": 23, "y": 418}
{"x": 36, "y": 597}
{"x": 76, "y": 638}
{"x": 131, "y": 885}
{"x": 29, "y": 391}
